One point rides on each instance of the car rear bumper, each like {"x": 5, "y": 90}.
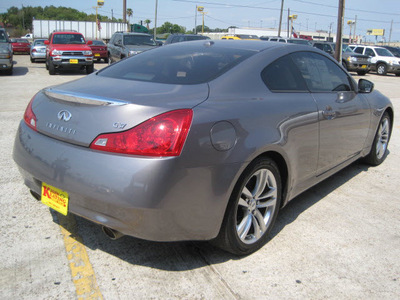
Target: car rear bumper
{"x": 38, "y": 55}
{"x": 358, "y": 67}
{"x": 151, "y": 198}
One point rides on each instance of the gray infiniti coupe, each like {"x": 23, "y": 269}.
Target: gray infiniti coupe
{"x": 202, "y": 140}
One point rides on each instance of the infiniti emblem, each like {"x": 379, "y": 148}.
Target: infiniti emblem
{"x": 64, "y": 115}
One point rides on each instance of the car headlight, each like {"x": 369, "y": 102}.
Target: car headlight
{"x": 5, "y": 53}
{"x": 369, "y": 59}
{"x": 133, "y": 52}
{"x": 56, "y": 52}
{"x": 87, "y": 52}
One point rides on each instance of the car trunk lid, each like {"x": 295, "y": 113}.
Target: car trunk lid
{"x": 77, "y": 112}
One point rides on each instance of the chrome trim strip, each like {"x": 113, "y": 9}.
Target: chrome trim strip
{"x": 78, "y": 98}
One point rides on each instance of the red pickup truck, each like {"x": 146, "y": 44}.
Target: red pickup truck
{"x": 68, "y": 50}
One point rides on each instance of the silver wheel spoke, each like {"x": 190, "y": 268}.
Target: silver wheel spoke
{"x": 244, "y": 227}
{"x": 267, "y": 203}
{"x": 243, "y": 202}
{"x": 247, "y": 193}
{"x": 262, "y": 181}
{"x": 259, "y": 219}
{"x": 269, "y": 194}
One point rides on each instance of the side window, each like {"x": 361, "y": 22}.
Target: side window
{"x": 327, "y": 48}
{"x": 282, "y": 41}
{"x": 319, "y": 46}
{"x": 118, "y": 39}
{"x": 369, "y": 52}
{"x": 273, "y": 40}
{"x": 282, "y": 76}
{"x": 359, "y": 50}
{"x": 320, "y": 73}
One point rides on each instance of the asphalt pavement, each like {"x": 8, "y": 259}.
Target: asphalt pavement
{"x": 338, "y": 240}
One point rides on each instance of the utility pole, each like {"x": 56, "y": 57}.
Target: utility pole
{"x": 288, "y": 16}
{"x": 280, "y": 19}
{"x": 338, "y": 52}
{"x": 112, "y": 15}
{"x": 155, "y": 21}
{"x": 390, "y": 32}
{"x": 195, "y": 21}
{"x": 124, "y": 11}
{"x": 355, "y": 28}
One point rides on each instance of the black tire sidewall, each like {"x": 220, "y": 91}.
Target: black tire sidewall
{"x": 372, "y": 157}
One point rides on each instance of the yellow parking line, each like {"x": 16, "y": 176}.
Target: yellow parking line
{"x": 81, "y": 269}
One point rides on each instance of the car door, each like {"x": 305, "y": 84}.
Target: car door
{"x": 343, "y": 113}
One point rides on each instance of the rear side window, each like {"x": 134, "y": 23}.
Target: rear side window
{"x": 283, "y": 76}
{"x": 178, "y": 64}
{"x": 369, "y": 52}
{"x": 320, "y": 73}
{"x": 358, "y": 50}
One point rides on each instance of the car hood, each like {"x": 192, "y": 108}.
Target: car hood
{"x": 358, "y": 55}
{"x": 78, "y": 111}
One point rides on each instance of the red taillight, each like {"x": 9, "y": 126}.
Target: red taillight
{"x": 29, "y": 116}
{"x": 162, "y": 135}
{"x": 33, "y": 50}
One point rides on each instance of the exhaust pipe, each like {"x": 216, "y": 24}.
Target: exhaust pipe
{"x": 111, "y": 233}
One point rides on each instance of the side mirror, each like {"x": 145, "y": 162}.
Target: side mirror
{"x": 365, "y": 86}
{"x": 118, "y": 43}
{"x": 90, "y": 43}
{"x": 46, "y": 42}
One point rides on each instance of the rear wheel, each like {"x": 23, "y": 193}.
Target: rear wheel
{"x": 252, "y": 209}
{"x": 32, "y": 60}
{"x": 10, "y": 71}
{"x": 381, "y": 141}
{"x": 361, "y": 73}
{"x": 381, "y": 69}
{"x": 106, "y": 60}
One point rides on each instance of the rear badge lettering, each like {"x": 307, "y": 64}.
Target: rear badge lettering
{"x": 119, "y": 125}
{"x": 60, "y": 128}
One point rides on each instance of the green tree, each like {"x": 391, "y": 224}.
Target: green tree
{"x": 147, "y": 22}
{"x": 129, "y": 12}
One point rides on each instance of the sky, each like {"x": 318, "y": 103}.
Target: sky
{"x": 312, "y": 14}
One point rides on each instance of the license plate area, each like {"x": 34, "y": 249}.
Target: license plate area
{"x": 363, "y": 66}
{"x": 55, "y": 198}
{"x": 73, "y": 61}
{"x": 97, "y": 54}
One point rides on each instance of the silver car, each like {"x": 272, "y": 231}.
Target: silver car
{"x": 202, "y": 140}
{"x": 38, "y": 50}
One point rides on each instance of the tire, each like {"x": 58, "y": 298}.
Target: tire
{"x": 344, "y": 65}
{"x": 381, "y": 141}
{"x": 381, "y": 69}
{"x": 47, "y": 64}
{"x": 10, "y": 71}
{"x": 52, "y": 69}
{"x": 106, "y": 60}
{"x": 397, "y": 74}
{"x": 252, "y": 209}
{"x": 110, "y": 61}
{"x": 32, "y": 60}
{"x": 89, "y": 69}
{"x": 361, "y": 73}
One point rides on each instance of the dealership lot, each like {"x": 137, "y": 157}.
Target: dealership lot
{"x": 340, "y": 239}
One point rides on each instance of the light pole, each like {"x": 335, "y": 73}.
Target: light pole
{"x": 200, "y": 9}
{"x": 350, "y": 23}
{"x": 100, "y": 3}
{"x": 291, "y": 18}
{"x": 155, "y": 21}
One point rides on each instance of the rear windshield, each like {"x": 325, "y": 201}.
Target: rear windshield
{"x": 178, "y": 64}
{"x": 98, "y": 43}
{"x": 139, "y": 40}
{"x": 383, "y": 52}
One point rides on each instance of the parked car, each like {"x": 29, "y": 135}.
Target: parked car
{"x": 285, "y": 40}
{"x": 21, "y": 46}
{"x": 125, "y": 44}
{"x": 351, "y": 61}
{"x": 6, "y": 53}
{"x": 240, "y": 37}
{"x": 177, "y": 38}
{"x": 38, "y": 50}
{"x": 99, "y": 50}
{"x": 68, "y": 50}
{"x": 204, "y": 140}
{"x": 395, "y": 50}
{"x": 382, "y": 60}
